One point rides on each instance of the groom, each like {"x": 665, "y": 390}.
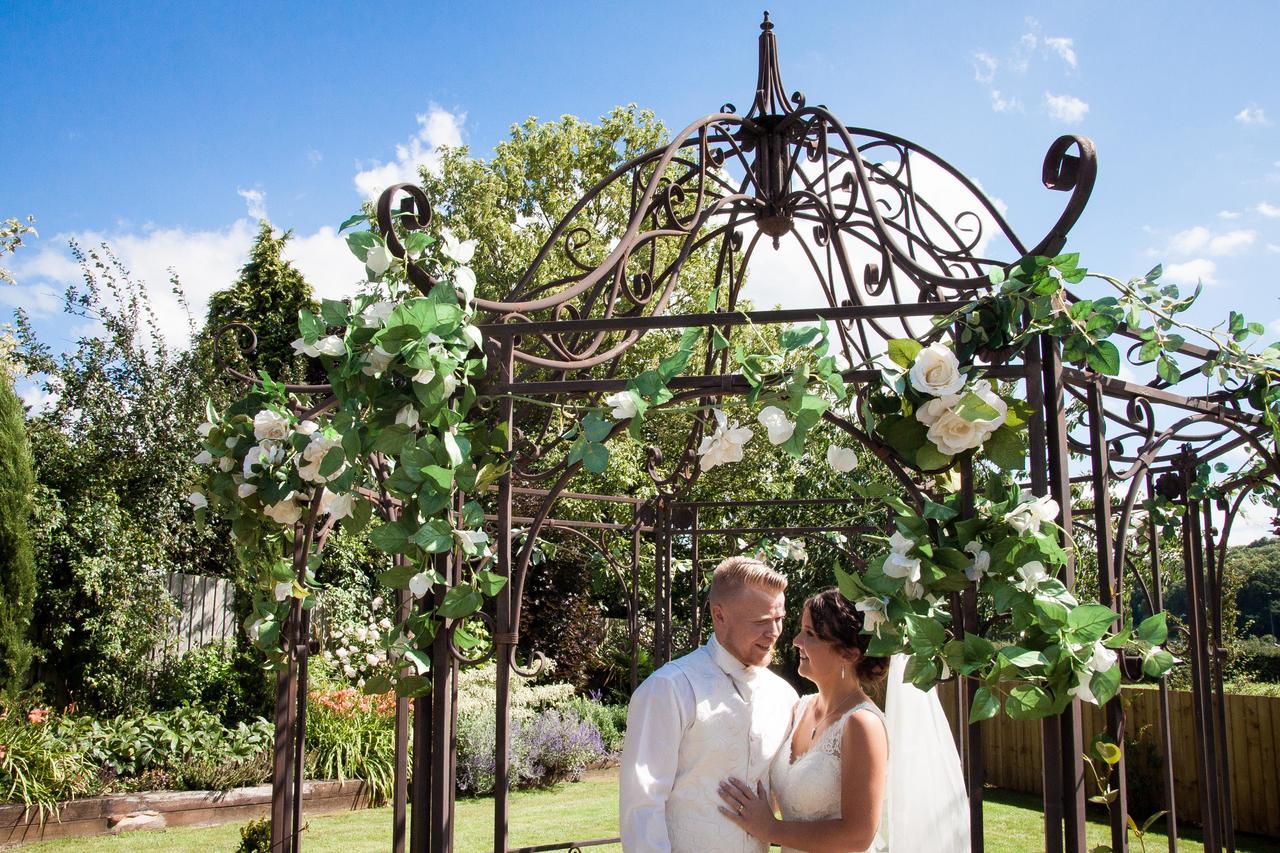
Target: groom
{"x": 717, "y": 712}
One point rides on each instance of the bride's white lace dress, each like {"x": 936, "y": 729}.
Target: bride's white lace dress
{"x": 808, "y": 787}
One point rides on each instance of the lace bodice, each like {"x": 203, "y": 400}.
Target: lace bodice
{"x": 808, "y": 788}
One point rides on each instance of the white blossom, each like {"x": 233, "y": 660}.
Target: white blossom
{"x": 204, "y": 429}
{"x": 775, "y": 421}
{"x": 929, "y": 412}
{"x": 872, "y": 610}
{"x": 408, "y": 416}
{"x": 270, "y": 426}
{"x": 936, "y": 371}
{"x": 226, "y": 463}
{"x": 724, "y": 445}
{"x": 204, "y": 457}
{"x": 283, "y": 590}
{"x": 952, "y": 434}
{"x": 1031, "y": 512}
{"x": 1032, "y": 574}
{"x": 622, "y": 404}
{"x": 454, "y": 249}
{"x": 198, "y": 500}
{"x": 307, "y": 427}
{"x": 301, "y": 347}
{"x": 796, "y": 551}
{"x": 1101, "y": 659}
{"x": 376, "y": 314}
{"x": 900, "y": 544}
{"x": 913, "y": 590}
{"x": 842, "y": 459}
{"x": 471, "y": 539}
{"x": 262, "y": 456}
{"x": 246, "y": 489}
{"x": 331, "y": 345}
{"x": 1082, "y": 689}
{"x": 424, "y": 376}
{"x": 464, "y": 279}
{"x": 375, "y": 361}
{"x": 378, "y": 259}
{"x": 312, "y": 457}
{"x": 376, "y": 604}
{"x": 371, "y": 659}
{"x": 231, "y": 442}
{"x": 981, "y": 561}
{"x": 349, "y": 671}
{"x": 285, "y": 512}
{"x": 337, "y": 506}
{"x": 419, "y": 585}
{"x": 901, "y": 566}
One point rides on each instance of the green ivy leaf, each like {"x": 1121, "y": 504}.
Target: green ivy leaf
{"x": 460, "y": 602}
{"x": 1154, "y": 630}
{"x": 596, "y": 458}
{"x": 1004, "y": 448}
{"x": 1157, "y": 663}
{"x": 389, "y": 538}
{"x": 310, "y": 326}
{"x": 413, "y": 685}
{"x": 1050, "y": 613}
{"x": 1028, "y": 702}
{"x": 490, "y": 583}
{"x": 1105, "y": 685}
{"x": 434, "y": 537}
{"x": 903, "y": 351}
{"x": 985, "y": 705}
{"x": 1089, "y": 622}
{"x": 1023, "y": 658}
{"x": 596, "y": 428}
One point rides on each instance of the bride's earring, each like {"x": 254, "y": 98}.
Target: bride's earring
{"x": 842, "y": 673}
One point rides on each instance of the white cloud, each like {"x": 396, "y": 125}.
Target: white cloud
{"x": 255, "y": 202}
{"x": 325, "y": 262}
{"x": 35, "y": 398}
{"x": 436, "y": 127}
{"x": 314, "y": 157}
{"x": 1228, "y": 214}
{"x": 1231, "y": 242}
{"x": 1268, "y": 210}
{"x": 984, "y": 66}
{"x": 1062, "y": 47}
{"x": 1190, "y": 240}
{"x": 1273, "y": 248}
{"x": 1253, "y": 115}
{"x": 1065, "y": 108}
{"x": 1001, "y": 104}
{"x": 1198, "y": 270}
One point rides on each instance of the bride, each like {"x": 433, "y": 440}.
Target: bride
{"x": 840, "y": 785}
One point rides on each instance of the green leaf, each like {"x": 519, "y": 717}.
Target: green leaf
{"x": 1028, "y": 702}
{"x": 460, "y": 602}
{"x": 596, "y": 458}
{"x": 1104, "y": 358}
{"x": 974, "y": 408}
{"x": 930, "y": 458}
{"x": 1157, "y": 663}
{"x": 1154, "y": 629}
{"x": 596, "y": 428}
{"x": 360, "y": 242}
{"x": 938, "y": 512}
{"x": 1089, "y": 622}
{"x": 354, "y": 219}
{"x": 397, "y": 577}
{"x": 1050, "y": 613}
{"x": 310, "y": 326}
{"x": 453, "y": 449}
{"x": 1004, "y": 448}
{"x": 1105, "y": 685}
{"x": 376, "y": 685}
{"x": 434, "y": 537}
{"x": 490, "y": 583}
{"x": 985, "y": 705}
{"x": 797, "y": 337}
{"x": 921, "y": 671}
{"x": 413, "y": 685}
{"x": 1023, "y": 658}
{"x": 903, "y": 351}
{"x": 389, "y": 538}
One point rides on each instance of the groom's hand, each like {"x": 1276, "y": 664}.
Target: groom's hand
{"x": 748, "y": 809}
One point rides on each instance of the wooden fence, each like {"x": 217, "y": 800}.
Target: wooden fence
{"x": 206, "y": 614}
{"x": 1012, "y": 752}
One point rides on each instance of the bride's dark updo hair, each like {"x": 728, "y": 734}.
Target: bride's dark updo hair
{"x": 836, "y": 621}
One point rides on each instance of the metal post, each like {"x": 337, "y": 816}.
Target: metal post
{"x": 400, "y": 791}
{"x": 971, "y": 733}
{"x": 633, "y": 608}
{"x": 1166, "y": 730}
{"x": 1218, "y": 720}
{"x": 1110, "y": 594}
{"x": 505, "y": 633}
{"x": 443, "y": 789}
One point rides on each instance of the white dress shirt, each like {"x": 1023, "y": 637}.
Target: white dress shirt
{"x": 693, "y": 723}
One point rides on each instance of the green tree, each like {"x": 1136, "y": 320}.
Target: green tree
{"x": 267, "y": 297}
{"x": 17, "y": 565}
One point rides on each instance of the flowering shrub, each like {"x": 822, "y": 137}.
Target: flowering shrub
{"x": 547, "y": 747}
{"x": 478, "y": 686}
{"x": 357, "y": 651}
{"x": 352, "y": 736}
{"x": 37, "y": 767}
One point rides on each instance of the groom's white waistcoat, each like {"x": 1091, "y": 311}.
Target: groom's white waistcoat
{"x": 692, "y": 724}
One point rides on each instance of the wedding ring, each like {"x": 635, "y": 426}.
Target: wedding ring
{"x": 739, "y": 808}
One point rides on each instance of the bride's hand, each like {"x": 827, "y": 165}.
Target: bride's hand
{"x": 749, "y": 809}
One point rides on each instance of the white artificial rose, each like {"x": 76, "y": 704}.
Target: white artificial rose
{"x": 376, "y": 314}
{"x": 872, "y": 610}
{"x": 375, "y": 361}
{"x": 283, "y": 590}
{"x": 450, "y": 384}
{"x": 306, "y": 427}
{"x": 952, "y": 434}
{"x": 936, "y": 371}
{"x": 1031, "y": 512}
{"x": 331, "y": 345}
{"x": 262, "y": 456}
{"x": 419, "y": 585}
{"x": 285, "y": 512}
{"x": 913, "y": 590}
{"x": 424, "y": 376}
{"x": 198, "y": 500}
{"x": 1083, "y": 691}
{"x": 992, "y": 399}
{"x": 231, "y": 442}
{"x": 981, "y": 561}
{"x": 1101, "y": 659}
{"x": 796, "y": 551}
{"x": 724, "y": 445}
{"x": 378, "y": 259}
{"x": 377, "y": 602}
{"x": 204, "y": 457}
{"x": 204, "y": 429}
{"x": 1032, "y": 574}
{"x": 312, "y": 456}
{"x": 901, "y": 566}
{"x": 270, "y": 426}
{"x": 461, "y": 251}
{"x": 929, "y": 413}
{"x": 841, "y": 459}
{"x": 622, "y": 404}
{"x": 464, "y": 279}
{"x": 775, "y": 421}
{"x": 408, "y": 416}
{"x": 246, "y": 489}
{"x": 226, "y": 463}
{"x": 900, "y": 544}
{"x": 337, "y": 506}
{"x": 471, "y": 540}
{"x": 301, "y": 347}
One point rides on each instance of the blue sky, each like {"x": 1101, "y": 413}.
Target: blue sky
{"x": 166, "y": 129}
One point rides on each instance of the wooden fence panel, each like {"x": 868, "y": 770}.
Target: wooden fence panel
{"x": 1013, "y": 761}
{"x": 206, "y": 614}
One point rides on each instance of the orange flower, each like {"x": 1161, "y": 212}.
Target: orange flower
{"x": 36, "y": 716}
{"x": 4, "y": 751}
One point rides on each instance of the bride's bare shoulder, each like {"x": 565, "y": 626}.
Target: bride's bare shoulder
{"x": 864, "y": 734}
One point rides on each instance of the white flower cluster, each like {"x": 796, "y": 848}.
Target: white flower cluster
{"x": 936, "y": 372}
{"x": 356, "y": 651}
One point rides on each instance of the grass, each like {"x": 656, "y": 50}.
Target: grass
{"x": 580, "y": 810}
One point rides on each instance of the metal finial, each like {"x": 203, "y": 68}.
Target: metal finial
{"x": 766, "y": 24}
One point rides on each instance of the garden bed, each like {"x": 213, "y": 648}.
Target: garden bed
{"x": 160, "y": 809}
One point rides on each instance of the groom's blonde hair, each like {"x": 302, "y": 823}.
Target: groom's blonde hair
{"x": 734, "y": 573}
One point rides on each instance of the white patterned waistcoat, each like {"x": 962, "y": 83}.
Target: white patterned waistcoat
{"x": 738, "y": 727}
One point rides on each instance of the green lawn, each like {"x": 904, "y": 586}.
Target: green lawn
{"x": 582, "y": 810}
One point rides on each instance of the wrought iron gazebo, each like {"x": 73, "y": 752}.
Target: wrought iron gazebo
{"x": 886, "y": 257}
